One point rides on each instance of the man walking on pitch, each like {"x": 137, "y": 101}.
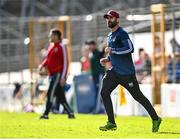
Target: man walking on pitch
{"x": 57, "y": 64}
{"x": 122, "y": 72}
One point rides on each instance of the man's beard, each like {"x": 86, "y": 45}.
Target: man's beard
{"x": 112, "y": 24}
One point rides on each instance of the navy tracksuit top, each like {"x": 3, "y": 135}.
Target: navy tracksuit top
{"x": 121, "y": 49}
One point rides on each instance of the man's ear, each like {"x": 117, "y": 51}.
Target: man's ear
{"x": 117, "y": 20}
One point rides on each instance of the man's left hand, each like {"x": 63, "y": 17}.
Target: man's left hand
{"x": 62, "y": 82}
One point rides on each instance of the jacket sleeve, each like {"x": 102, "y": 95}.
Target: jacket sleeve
{"x": 44, "y": 63}
{"x": 65, "y": 62}
{"x": 127, "y": 46}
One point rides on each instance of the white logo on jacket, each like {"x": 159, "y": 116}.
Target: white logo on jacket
{"x": 131, "y": 84}
{"x": 55, "y": 50}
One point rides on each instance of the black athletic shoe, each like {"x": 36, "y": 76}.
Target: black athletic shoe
{"x": 156, "y": 124}
{"x": 44, "y": 117}
{"x": 108, "y": 126}
{"x": 71, "y": 116}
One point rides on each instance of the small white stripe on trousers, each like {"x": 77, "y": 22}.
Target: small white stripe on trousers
{"x": 54, "y": 87}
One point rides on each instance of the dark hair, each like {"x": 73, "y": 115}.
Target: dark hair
{"x": 16, "y": 89}
{"x": 89, "y": 42}
{"x": 56, "y": 32}
{"x": 140, "y": 50}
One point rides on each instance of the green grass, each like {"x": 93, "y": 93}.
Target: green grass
{"x": 28, "y": 125}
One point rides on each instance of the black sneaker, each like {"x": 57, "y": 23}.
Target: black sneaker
{"x": 156, "y": 124}
{"x": 44, "y": 117}
{"x": 71, "y": 116}
{"x": 108, "y": 126}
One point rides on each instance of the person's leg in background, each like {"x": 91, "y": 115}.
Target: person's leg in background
{"x": 60, "y": 94}
{"x": 99, "y": 108}
{"x": 56, "y": 106}
{"x": 110, "y": 82}
{"x": 54, "y": 81}
{"x": 96, "y": 83}
{"x": 56, "y": 109}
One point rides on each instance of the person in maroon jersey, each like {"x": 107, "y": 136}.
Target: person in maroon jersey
{"x": 57, "y": 64}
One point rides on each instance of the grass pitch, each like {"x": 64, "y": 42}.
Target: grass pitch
{"x": 28, "y": 125}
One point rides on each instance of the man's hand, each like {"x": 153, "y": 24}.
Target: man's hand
{"x": 62, "y": 82}
{"x": 103, "y": 61}
{"x": 107, "y": 50}
{"x": 40, "y": 68}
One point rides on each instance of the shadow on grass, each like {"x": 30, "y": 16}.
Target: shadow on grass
{"x": 174, "y": 133}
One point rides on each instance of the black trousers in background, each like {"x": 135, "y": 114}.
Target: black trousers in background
{"x": 56, "y": 89}
{"x": 111, "y": 80}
